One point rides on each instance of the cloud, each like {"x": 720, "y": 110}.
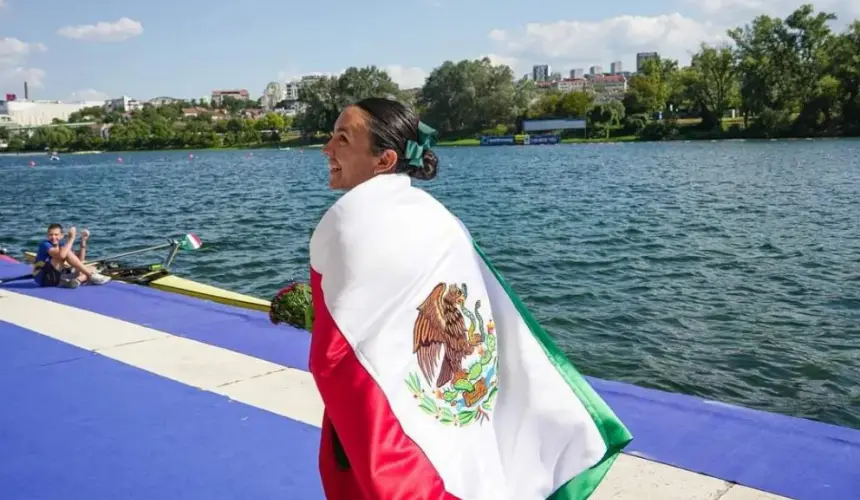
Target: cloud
{"x": 567, "y": 44}
{"x": 118, "y": 31}
{"x": 14, "y": 51}
{"x": 13, "y": 71}
{"x": 406, "y": 77}
{"x": 497, "y": 59}
{"x": 89, "y": 95}
{"x": 15, "y": 77}
{"x": 583, "y": 43}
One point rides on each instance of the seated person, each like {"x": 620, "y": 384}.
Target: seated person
{"x": 57, "y": 265}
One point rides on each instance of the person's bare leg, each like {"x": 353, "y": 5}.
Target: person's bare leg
{"x": 82, "y": 278}
{"x": 72, "y": 260}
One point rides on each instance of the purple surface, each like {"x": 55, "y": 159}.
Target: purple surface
{"x": 792, "y": 457}
{"x": 241, "y": 330}
{"x": 76, "y": 425}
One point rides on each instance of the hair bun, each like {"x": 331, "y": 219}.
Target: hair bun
{"x": 428, "y": 171}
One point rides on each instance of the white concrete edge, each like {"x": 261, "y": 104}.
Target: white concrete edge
{"x": 292, "y": 393}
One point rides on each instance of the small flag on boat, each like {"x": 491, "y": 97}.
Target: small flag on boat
{"x": 437, "y": 381}
{"x": 190, "y": 242}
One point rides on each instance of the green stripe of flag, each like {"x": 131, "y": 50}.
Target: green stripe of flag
{"x": 615, "y": 434}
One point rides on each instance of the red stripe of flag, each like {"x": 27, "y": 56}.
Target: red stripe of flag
{"x": 383, "y": 461}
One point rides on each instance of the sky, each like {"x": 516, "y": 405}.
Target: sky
{"x": 94, "y": 49}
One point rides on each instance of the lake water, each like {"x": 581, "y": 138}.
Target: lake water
{"x": 725, "y": 270}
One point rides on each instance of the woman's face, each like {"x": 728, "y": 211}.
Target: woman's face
{"x": 350, "y": 160}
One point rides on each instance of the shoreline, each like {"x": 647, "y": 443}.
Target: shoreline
{"x": 441, "y": 144}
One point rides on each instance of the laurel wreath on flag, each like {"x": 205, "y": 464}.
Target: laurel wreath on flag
{"x": 463, "y": 382}
{"x": 292, "y": 305}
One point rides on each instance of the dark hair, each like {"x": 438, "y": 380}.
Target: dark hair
{"x": 55, "y": 226}
{"x": 391, "y": 125}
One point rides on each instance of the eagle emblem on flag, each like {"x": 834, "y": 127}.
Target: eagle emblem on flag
{"x": 456, "y": 380}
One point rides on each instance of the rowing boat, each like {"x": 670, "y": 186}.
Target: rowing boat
{"x": 158, "y": 275}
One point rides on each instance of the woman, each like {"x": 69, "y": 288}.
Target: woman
{"x": 437, "y": 381}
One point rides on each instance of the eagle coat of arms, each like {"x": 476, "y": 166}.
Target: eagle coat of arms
{"x": 458, "y": 365}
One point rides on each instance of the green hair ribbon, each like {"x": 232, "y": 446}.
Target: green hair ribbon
{"x": 415, "y": 150}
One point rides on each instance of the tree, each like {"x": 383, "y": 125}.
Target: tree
{"x": 846, "y": 69}
{"x": 561, "y": 105}
{"x": 471, "y": 95}
{"x": 712, "y": 83}
{"x": 16, "y": 144}
{"x": 604, "y": 117}
{"x": 653, "y": 88}
{"x": 326, "y": 97}
{"x": 782, "y": 64}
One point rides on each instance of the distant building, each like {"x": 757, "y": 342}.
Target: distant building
{"x": 272, "y": 95}
{"x": 25, "y": 113}
{"x": 571, "y": 85}
{"x": 291, "y": 94}
{"x": 162, "y": 101}
{"x": 291, "y": 91}
{"x": 608, "y": 87}
{"x": 123, "y": 104}
{"x": 577, "y": 73}
{"x": 238, "y": 94}
{"x": 641, "y": 57}
{"x": 216, "y": 114}
{"x": 540, "y": 72}
{"x": 596, "y": 70}
{"x": 615, "y": 68}
{"x": 604, "y": 87}
{"x": 555, "y": 76}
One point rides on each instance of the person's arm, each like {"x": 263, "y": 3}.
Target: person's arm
{"x": 62, "y": 252}
{"x": 82, "y": 254}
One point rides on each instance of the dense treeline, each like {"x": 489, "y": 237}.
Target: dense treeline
{"x": 161, "y": 127}
{"x": 778, "y": 77}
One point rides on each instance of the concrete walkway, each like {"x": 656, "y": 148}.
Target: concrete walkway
{"x": 279, "y": 399}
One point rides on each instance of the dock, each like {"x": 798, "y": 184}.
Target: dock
{"x": 127, "y": 392}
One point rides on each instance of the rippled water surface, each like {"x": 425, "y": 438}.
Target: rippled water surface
{"x": 726, "y": 270}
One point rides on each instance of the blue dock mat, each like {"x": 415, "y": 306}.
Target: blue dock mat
{"x": 76, "y": 425}
{"x": 792, "y": 457}
{"x": 240, "y": 330}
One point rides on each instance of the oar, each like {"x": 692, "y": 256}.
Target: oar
{"x": 189, "y": 242}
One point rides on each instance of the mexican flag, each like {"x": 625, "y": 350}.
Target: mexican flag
{"x": 437, "y": 382}
{"x": 190, "y": 242}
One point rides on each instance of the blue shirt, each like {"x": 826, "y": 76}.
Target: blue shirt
{"x": 43, "y": 258}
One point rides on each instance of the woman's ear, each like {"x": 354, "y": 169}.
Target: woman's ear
{"x": 386, "y": 162}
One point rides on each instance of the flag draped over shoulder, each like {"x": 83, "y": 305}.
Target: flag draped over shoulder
{"x": 437, "y": 382}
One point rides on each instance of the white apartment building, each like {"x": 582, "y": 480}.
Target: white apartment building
{"x": 123, "y": 104}
{"x": 218, "y": 96}
{"x": 605, "y": 87}
{"x": 162, "y": 101}
{"x": 571, "y": 85}
{"x": 25, "y": 113}
{"x": 274, "y": 93}
{"x": 611, "y": 86}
